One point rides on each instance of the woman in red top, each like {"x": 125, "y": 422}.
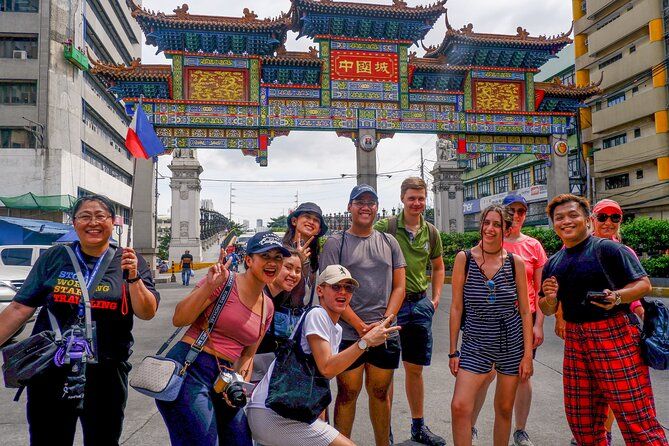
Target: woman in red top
{"x": 202, "y": 414}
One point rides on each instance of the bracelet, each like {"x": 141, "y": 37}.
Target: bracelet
{"x": 133, "y": 280}
{"x": 454, "y": 355}
{"x": 619, "y": 298}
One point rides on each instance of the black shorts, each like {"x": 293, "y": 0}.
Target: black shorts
{"x": 415, "y": 318}
{"x": 384, "y": 356}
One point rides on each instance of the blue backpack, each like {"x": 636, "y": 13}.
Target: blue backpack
{"x": 655, "y": 335}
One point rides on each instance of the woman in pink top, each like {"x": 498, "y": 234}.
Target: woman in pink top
{"x": 202, "y": 413}
{"x": 534, "y": 257}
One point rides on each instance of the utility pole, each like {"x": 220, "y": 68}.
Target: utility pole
{"x": 422, "y": 164}
{"x": 297, "y": 196}
{"x": 231, "y": 202}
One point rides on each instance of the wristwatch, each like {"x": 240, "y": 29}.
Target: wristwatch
{"x": 454, "y": 355}
{"x": 362, "y": 345}
{"x": 133, "y": 280}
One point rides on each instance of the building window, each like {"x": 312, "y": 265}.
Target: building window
{"x": 18, "y": 46}
{"x": 639, "y": 174}
{"x": 598, "y": 106}
{"x": 102, "y": 163}
{"x": 615, "y": 140}
{"x": 483, "y": 160}
{"x": 483, "y": 188}
{"x": 16, "y": 139}
{"x": 637, "y": 133}
{"x": 94, "y": 122}
{"x": 584, "y": 6}
{"x": 614, "y": 59}
{"x": 615, "y": 99}
{"x": 521, "y": 179}
{"x": 469, "y": 192}
{"x": 539, "y": 173}
{"x": 568, "y": 79}
{"x": 573, "y": 166}
{"x": 501, "y": 184}
{"x": 18, "y": 93}
{"x": 19, "y": 5}
{"x": 635, "y": 90}
{"x": 632, "y": 49}
{"x": 617, "y": 181}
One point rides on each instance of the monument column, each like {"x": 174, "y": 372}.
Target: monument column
{"x": 557, "y": 174}
{"x": 448, "y": 189}
{"x": 365, "y": 155}
{"x": 143, "y": 211}
{"x": 186, "y": 187}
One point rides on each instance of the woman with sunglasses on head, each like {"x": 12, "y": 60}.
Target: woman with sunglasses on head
{"x": 534, "y": 257}
{"x": 56, "y": 399}
{"x": 320, "y": 338}
{"x": 203, "y": 412}
{"x": 490, "y": 286}
{"x": 607, "y": 215}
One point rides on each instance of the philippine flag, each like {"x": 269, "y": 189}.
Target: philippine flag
{"x": 141, "y": 140}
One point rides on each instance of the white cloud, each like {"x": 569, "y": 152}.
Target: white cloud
{"x": 324, "y": 155}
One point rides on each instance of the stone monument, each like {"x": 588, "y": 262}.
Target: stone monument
{"x": 186, "y": 187}
{"x": 448, "y": 189}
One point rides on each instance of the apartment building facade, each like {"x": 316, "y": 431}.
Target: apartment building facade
{"x": 625, "y": 130}
{"x": 61, "y": 132}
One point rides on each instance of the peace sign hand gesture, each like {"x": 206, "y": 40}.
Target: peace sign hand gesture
{"x": 379, "y": 334}
{"x": 304, "y": 250}
{"x": 218, "y": 274}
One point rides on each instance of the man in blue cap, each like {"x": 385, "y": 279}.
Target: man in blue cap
{"x": 376, "y": 261}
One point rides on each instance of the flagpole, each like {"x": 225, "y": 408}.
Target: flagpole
{"x": 132, "y": 187}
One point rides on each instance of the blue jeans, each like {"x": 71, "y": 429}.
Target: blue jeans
{"x": 199, "y": 416}
{"x": 185, "y": 276}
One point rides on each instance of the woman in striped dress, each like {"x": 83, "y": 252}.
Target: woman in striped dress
{"x": 489, "y": 286}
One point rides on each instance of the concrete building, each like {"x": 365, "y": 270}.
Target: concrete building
{"x": 488, "y": 178}
{"x": 61, "y": 132}
{"x": 625, "y": 129}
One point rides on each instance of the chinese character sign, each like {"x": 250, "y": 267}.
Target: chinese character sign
{"x": 361, "y": 66}
{"x": 216, "y": 85}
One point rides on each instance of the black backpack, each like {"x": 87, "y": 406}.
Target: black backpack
{"x": 655, "y": 335}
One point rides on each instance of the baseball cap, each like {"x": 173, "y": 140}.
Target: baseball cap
{"x": 334, "y": 274}
{"x": 265, "y": 241}
{"x": 361, "y": 189}
{"x": 311, "y": 208}
{"x": 514, "y": 198}
{"x": 607, "y": 205}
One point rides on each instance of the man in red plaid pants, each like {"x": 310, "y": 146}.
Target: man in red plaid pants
{"x": 595, "y": 280}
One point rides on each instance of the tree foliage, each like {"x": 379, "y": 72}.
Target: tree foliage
{"x": 164, "y": 245}
{"x": 657, "y": 266}
{"x": 646, "y": 236}
{"x": 279, "y": 223}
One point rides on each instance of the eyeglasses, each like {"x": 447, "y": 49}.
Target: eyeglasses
{"x": 87, "y": 218}
{"x": 615, "y": 218}
{"x": 520, "y": 212}
{"x": 491, "y": 291}
{"x": 362, "y": 204}
{"x": 349, "y": 288}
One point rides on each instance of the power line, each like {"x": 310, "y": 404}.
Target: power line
{"x": 344, "y": 176}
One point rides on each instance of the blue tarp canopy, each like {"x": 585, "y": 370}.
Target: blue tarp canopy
{"x": 27, "y": 231}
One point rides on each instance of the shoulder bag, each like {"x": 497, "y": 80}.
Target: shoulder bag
{"x": 160, "y": 377}
{"x": 297, "y": 390}
{"x": 29, "y": 358}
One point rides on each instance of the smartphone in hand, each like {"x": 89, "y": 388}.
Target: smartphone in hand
{"x": 597, "y": 296}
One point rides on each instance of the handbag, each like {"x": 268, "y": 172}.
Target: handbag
{"x": 160, "y": 377}
{"x": 34, "y": 355}
{"x": 297, "y": 389}
{"x": 655, "y": 334}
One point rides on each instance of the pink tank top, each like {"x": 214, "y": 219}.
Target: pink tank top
{"x": 237, "y": 326}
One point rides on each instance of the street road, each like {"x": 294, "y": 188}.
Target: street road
{"x": 547, "y": 424}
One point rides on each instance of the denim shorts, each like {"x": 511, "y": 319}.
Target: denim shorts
{"x": 415, "y": 318}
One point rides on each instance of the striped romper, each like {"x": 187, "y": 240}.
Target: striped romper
{"x": 493, "y": 332}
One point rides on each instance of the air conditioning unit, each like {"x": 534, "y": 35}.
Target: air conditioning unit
{"x": 20, "y": 54}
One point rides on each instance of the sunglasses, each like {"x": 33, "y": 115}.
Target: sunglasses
{"x": 491, "y": 291}
{"x": 349, "y": 288}
{"x": 615, "y": 218}
{"x": 520, "y": 212}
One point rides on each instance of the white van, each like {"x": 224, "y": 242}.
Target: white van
{"x": 20, "y": 255}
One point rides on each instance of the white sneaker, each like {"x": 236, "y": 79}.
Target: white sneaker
{"x": 520, "y": 438}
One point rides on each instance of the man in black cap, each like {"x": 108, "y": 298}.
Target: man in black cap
{"x": 376, "y": 261}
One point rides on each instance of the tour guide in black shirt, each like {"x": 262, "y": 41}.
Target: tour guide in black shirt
{"x": 52, "y": 284}
{"x": 602, "y": 364}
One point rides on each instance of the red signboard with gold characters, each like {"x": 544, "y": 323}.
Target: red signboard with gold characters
{"x": 362, "y": 66}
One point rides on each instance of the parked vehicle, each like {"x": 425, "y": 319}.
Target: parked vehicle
{"x": 20, "y": 255}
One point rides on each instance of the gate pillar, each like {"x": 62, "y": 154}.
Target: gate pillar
{"x": 557, "y": 175}
{"x": 448, "y": 189}
{"x": 143, "y": 211}
{"x": 365, "y": 155}
{"x": 186, "y": 187}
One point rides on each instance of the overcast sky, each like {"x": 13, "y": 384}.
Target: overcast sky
{"x": 303, "y": 155}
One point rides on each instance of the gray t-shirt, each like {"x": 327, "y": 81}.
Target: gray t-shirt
{"x": 371, "y": 261}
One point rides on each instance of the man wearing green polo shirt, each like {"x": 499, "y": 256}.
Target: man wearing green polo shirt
{"x": 421, "y": 245}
